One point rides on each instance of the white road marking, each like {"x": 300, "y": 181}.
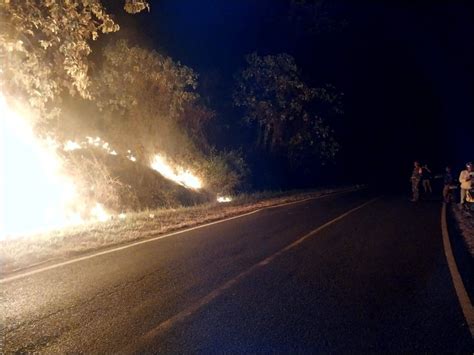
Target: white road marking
{"x": 463, "y": 297}
{"x": 113, "y": 250}
{"x": 179, "y": 317}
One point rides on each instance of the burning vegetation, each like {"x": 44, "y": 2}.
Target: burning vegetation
{"x": 94, "y": 132}
{"x": 50, "y": 185}
{"x": 87, "y": 141}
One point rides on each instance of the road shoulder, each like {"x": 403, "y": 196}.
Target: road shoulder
{"x": 460, "y": 264}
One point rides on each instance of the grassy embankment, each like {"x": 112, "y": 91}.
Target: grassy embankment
{"x": 63, "y": 244}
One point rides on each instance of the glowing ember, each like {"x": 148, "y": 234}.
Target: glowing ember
{"x": 130, "y": 156}
{"x": 175, "y": 173}
{"x": 35, "y": 195}
{"x": 70, "y": 145}
{"x": 223, "y": 199}
{"x": 96, "y": 142}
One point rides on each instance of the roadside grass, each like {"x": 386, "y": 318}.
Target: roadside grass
{"x": 465, "y": 221}
{"x": 62, "y": 244}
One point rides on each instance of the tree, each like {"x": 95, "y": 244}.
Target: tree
{"x": 44, "y": 46}
{"x": 225, "y": 172}
{"x": 149, "y": 104}
{"x": 134, "y": 98}
{"x": 143, "y": 97}
{"x": 289, "y": 115}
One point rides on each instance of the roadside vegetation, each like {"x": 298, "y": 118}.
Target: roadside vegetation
{"x": 66, "y": 243}
{"x": 64, "y": 65}
{"x": 118, "y": 105}
{"x": 135, "y": 99}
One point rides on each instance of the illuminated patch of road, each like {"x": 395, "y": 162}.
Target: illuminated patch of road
{"x": 150, "y": 233}
{"x": 181, "y": 316}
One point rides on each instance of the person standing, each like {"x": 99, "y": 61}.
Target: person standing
{"x": 448, "y": 182}
{"x": 426, "y": 179}
{"x": 415, "y": 181}
{"x": 465, "y": 178}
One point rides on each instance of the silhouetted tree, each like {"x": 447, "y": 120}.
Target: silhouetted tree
{"x": 289, "y": 115}
{"x": 44, "y": 46}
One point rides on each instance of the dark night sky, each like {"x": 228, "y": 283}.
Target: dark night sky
{"x": 407, "y": 71}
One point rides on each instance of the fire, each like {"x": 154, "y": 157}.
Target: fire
{"x": 100, "y": 213}
{"x": 130, "y": 156}
{"x": 175, "y": 173}
{"x": 35, "y": 194}
{"x": 70, "y": 145}
{"x": 159, "y": 163}
{"x": 224, "y": 199}
{"x": 96, "y": 142}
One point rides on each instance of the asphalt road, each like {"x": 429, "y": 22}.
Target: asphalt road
{"x": 374, "y": 280}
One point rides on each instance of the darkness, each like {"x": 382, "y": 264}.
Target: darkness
{"x": 406, "y": 69}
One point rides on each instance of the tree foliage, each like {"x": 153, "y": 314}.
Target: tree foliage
{"x": 149, "y": 103}
{"x": 289, "y": 115}
{"x": 134, "y": 98}
{"x": 225, "y": 171}
{"x": 144, "y": 97}
{"x": 45, "y": 44}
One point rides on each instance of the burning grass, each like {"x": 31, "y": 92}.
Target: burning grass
{"x": 47, "y": 184}
{"x": 122, "y": 185}
{"x": 66, "y": 243}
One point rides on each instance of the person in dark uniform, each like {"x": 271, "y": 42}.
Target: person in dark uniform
{"x": 426, "y": 179}
{"x": 448, "y": 183}
{"x": 415, "y": 181}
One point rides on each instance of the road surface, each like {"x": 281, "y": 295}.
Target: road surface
{"x": 374, "y": 278}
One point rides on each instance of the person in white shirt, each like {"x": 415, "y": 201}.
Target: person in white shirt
{"x": 465, "y": 178}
